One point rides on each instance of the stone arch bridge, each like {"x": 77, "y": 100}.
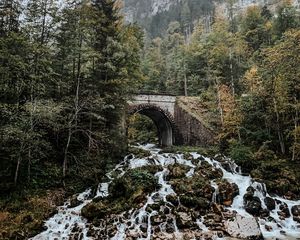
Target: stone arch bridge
{"x": 175, "y": 124}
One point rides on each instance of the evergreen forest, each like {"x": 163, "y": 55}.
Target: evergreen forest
{"x": 68, "y": 69}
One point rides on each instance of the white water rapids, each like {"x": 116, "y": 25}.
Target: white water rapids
{"x": 61, "y": 225}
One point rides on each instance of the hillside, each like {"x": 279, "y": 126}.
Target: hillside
{"x": 155, "y": 15}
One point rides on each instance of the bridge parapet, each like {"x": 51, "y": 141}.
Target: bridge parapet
{"x": 175, "y": 123}
{"x": 165, "y": 102}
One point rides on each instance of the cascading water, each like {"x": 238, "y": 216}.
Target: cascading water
{"x": 138, "y": 223}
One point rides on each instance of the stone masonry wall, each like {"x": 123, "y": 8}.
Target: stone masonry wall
{"x": 191, "y": 130}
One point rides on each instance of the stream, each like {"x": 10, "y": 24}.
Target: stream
{"x": 137, "y": 224}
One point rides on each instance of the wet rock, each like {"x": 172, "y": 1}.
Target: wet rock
{"x": 157, "y": 198}
{"x": 170, "y": 228}
{"x": 296, "y": 210}
{"x": 206, "y": 191}
{"x": 214, "y": 221}
{"x": 243, "y": 227}
{"x": 268, "y": 228}
{"x": 218, "y": 209}
{"x": 144, "y": 227}
{"x": 184, "y": 220}
{"x": 227, "y": 192}
{"x": 284, "y": 211}
{"x": 264, "y": 213}
{"x": 227, "y": 166}
{"x": 153, "y": 207}
{"x": 209, "y": 172}
{"x": 172, "y": 198}
{"x": 254, "y": 206}
{"x": 296, "y": 219}
{"x": 194, "y": 202}
{"x": 166, "y": 210}
{"x": 248, "y": 196}
{"x": 270, "y": 203}
{"x": 177, "y": 171}
{"x": 74, "y": 202}
{"x": 157, "y": 219}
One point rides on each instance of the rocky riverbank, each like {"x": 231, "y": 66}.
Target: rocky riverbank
{"x": 181, "y": 196}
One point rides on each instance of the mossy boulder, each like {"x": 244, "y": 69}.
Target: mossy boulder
{"x": 280, "y": 176}
{"x": 138, "y": 152}
{"x": 125, "y": 193}
{"x": 184, "y": 220}
{"x": 190, "y": 201}
{"x": 177, "y": 171}
{"x": 208, "y": 171}
{"x": 296, "y": 210}
{"x": 227, "y": 192}
{"x": 172, "y": 198}
{"x": 24, "y": 217}
{"x": 197, "y": 186}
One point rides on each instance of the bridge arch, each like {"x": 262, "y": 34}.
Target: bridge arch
{"x": 162, "y": 118}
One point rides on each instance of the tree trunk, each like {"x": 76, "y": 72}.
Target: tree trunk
{"x": 66, "y": 154}
{"x": 220, "y": 103}
{"x": 231, "y": 73}
{"x": 17, "y": 170}
{"x": 278, "y": 128}
{"x": 296, "y": 119}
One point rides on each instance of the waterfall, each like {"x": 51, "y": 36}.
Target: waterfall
{"x": 137, "y": 223}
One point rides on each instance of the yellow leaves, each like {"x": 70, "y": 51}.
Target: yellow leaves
{"x": 227, "y": 100}
{"x": 4, "y": 216}
{"x": 119, "y": 4}
{"x": 252, "y": 80}
{"x": 231, "y": 115}
{"x": 268, "y": 25}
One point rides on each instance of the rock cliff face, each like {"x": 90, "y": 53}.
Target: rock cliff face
{"x": 140, "y": 9}
{"x": 155, "y": 15}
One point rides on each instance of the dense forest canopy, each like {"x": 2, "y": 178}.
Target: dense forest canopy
{"x": 66, "y": 73}
{"x": 246, "y": 67}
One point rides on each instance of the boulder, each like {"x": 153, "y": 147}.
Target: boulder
{"x": 270, "y": 203}
{"x": 243, "y": 227}
{"x": 184, "y": 220}
{"x": 296, "y": 219}
{"x": 177, "y": 171}
{"x": 296, "y": 210}
{"x": 194, "y": 202}
{"x": 157, "y": 219}
{"x": 172, "y": 198}
{"x": 254, "y": 206}
{"x": 284, "y": 211}
{"x": 227, "y": 192}
{"x": 74, "y": 202}
{"x": 170, "y": 228}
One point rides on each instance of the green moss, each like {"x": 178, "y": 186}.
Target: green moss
{"x": 195, "y": 107}
{"x": 23, "y": 217}
{"x": 209, "y": 151}
{"x": 138, "y": 152}
{"x": 126, "y": 192}
{"x": 207, "y": 171}
{"x": 177, "y": 171}
{"x": 194, "y": 202}
{"x": 196, "y": 186}
{"x": 243, "y": 156}
{"x": 281, "y": 176}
